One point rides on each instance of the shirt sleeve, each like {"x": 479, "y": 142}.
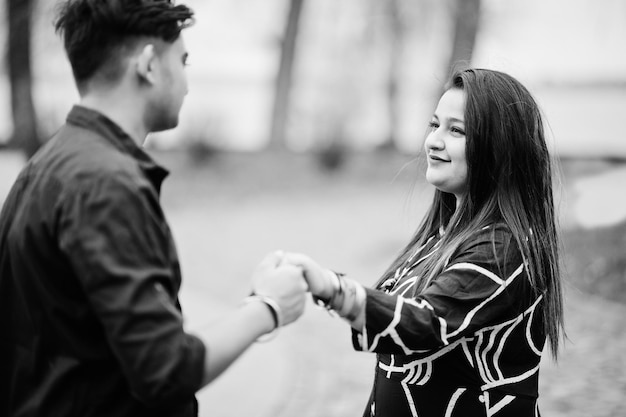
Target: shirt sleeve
{"x": 118, "y": 243}
{"x": 483, "y": 285}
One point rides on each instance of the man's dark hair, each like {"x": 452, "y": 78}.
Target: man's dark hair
{"x": 97, "y": 33}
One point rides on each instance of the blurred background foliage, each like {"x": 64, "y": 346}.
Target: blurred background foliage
{"x": 332, "y": 76}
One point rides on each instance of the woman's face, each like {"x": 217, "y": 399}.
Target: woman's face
{"x": 445, "y": 145}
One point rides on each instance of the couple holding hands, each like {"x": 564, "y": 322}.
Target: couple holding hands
{"x": 89, "y": 273}
{"x": 285, "y": 300}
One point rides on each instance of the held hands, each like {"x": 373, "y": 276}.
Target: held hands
{"x": 283, "y": 283}
{"x": 344, "y": 296}
{"x": 282, "y": 280}
{"x": 322, "y": 282}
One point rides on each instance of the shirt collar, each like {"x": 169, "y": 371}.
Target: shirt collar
{"x": 97, "y": 122}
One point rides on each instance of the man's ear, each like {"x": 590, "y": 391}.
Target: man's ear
{"x": 146, "y": 64}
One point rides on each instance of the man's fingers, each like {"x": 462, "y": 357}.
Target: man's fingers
{"x": 273, "y": 259}
{"x": 299, "y": 271}
{"x": 297, "y": 259}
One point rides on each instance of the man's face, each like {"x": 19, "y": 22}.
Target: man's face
{"x": 170, "y": 86}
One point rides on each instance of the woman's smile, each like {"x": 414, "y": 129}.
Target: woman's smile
{"x": 436, "y": 158}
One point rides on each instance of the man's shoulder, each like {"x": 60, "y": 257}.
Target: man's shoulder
{"x": 78, "y": 154}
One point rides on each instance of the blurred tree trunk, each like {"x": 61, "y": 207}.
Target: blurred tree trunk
{"x": 397, "y": 34}
{"x": 466, "y": 18}
{"x": 25, "y": 131}
{"x": 285, "y": 73}
{"x": 466, "y": 21}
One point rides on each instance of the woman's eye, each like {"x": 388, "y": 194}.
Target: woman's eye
{"x": 433, "y": 125}
{"x": 457, "y": 131}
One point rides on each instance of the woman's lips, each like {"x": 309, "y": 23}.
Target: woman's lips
{"x": 437, "y": 158}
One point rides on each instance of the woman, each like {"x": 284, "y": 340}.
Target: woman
{"x": 460, "y": 318}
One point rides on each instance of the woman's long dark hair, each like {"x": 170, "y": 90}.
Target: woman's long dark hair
{"x": 510, "y": 182}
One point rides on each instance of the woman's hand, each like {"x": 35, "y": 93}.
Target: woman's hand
{"x": 322, "y": 282}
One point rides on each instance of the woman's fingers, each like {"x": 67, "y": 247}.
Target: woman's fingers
{"x": 317, "y": 277}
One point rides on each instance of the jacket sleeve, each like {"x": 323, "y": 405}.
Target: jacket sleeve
{"x": 118, "y": 243}
{"x": 485, "y": 284}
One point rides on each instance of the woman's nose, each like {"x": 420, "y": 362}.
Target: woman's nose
{"x": 433, "y": 141}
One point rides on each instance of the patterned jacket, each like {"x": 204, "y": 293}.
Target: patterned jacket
{"x": 469, "y": 344}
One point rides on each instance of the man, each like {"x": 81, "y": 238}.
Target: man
{"x": 89, "y": 275}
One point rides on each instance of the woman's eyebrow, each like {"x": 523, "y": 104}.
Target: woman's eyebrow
{"x": 449, "y": 119}
{"x": 455, "y": 119}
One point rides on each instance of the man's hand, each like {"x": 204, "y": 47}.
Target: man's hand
{"x": 283, "y": 283}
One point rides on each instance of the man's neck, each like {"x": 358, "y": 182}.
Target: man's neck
{"x": 122, "y": 109}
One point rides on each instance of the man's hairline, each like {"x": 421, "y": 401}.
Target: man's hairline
{"x": 140, "y": 42}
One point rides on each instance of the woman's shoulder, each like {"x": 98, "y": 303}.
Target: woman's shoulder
{"x": 497, "y": 233}
{"x": 489, "y": 250}
{"x": 495, "y": 241}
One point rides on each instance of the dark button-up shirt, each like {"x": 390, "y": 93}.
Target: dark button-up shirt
{"x": 90, "y": 323}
